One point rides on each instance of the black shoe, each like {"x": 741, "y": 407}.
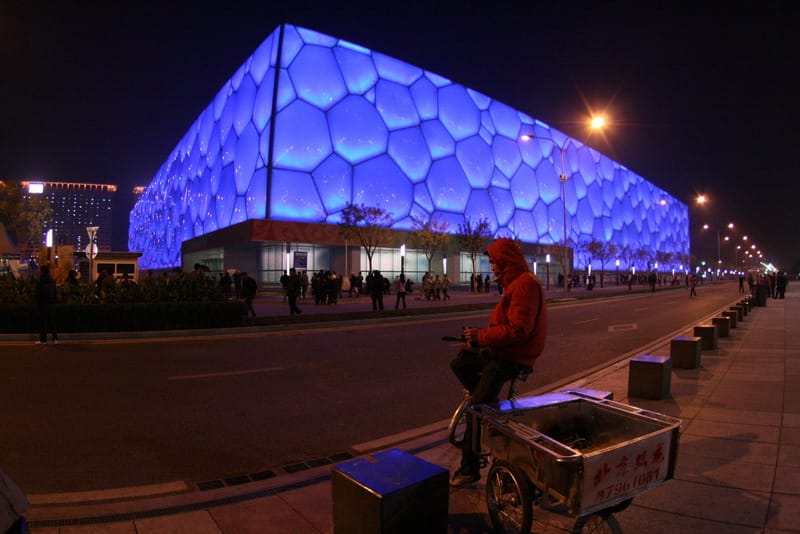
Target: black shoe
{"x": 460, "y": 478}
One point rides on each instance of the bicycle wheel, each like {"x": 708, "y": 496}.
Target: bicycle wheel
{"x": 458, "y": 424}
{"x": 508, "y": 497}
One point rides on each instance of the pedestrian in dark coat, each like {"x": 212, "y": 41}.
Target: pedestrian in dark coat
{"x": 375, "y": 285}
{"x": 46, "y": 303}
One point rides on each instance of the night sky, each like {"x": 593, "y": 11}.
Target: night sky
{"x": 701, "y": 104}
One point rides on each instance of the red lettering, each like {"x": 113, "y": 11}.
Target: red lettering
{"x": 622, "y": 466}
{"x": 658, "y": 455}
{"x": 601, "y": 473}
{"x": 641, "y": 460}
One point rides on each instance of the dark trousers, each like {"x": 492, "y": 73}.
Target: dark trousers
{"x": 47, "y": 322}
{"x": 293, "y": 304}
{"x": 483, "y": 377}
{"x": 400, "y": 297}
{"x": 377, "y": 300}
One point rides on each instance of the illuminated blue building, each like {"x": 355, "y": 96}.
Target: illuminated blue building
{"x": 310, "y": 123}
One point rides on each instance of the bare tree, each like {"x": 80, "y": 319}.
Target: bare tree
{"x": 429, "y": 236}
{"x": 472, "y": 238}
{"x": 369, "y": 225}
{"x": 602, "y": 252}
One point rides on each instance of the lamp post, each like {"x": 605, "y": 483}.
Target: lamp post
{"x": 617, "y": 264}
{"x": 547, "y": 258}
{"x": 562, "y": 177}
{"x": 402, "y": 260}
{"x": 91, "y": 249}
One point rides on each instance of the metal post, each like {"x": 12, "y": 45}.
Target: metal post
{"x": 548, "y": 272}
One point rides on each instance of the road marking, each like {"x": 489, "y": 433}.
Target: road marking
{"x": 641, "y": 309}
{"x": 226, "y": 373}
{"x": 587, "y": 321}
{"x": 623, "y": 327}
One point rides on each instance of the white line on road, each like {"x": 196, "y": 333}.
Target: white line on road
{"x": 641, "y": 309}
{"x": 587, "y": 321}
{"x": 226, "y": 373}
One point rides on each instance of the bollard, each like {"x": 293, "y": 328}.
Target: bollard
{"x": 649, "y": 377}
{"x": 732, "y": 315}
{"x": 723, "y": 326}
{"x": 740, "y": 313}
{"x": 391, "y": 492}
{"x": 709, "y": 334}
{"x": 685, "y": 352}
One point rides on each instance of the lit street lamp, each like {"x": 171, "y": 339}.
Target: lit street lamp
{"x": 563, "y": 179}
{"x": 547, "y": 258}
{"x": 595, "y": 123}
{"x": 402, "y": 259}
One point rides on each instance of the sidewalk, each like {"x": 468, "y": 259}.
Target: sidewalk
{"x": 738, "y": 468}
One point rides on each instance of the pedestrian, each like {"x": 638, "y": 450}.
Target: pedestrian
{"x": 284, "y": 280}
{"x": 46, "y": 303}
{"x": 741, "y": 283}
{"x": 400, "y": 289}
{"x": 249, "y": 291}
{"x": 375, "y": 287}
{"x": 512, "y": 342}
{"x": 487, "y": 282}
{"x": 445, "y": 286}
{"x": 293, "y": 288}
{"x": 782, "y": 280}
{"x": 693, "y": 286}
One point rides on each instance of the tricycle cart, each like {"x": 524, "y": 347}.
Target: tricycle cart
{"x": 573, "y": 453}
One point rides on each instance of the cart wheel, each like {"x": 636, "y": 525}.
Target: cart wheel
{"x": 599, "y": 523}
{"x": 508, "y": 497}
{"x": 617, "y": 508}
{"x": 458, "y": 424}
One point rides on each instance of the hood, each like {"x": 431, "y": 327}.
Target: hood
{"x": 506, "y": 254}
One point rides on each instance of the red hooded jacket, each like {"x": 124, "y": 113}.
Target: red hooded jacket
{"x": 517, "y": 328}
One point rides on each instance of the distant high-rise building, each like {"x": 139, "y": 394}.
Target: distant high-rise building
{"x": 74, "y": 206}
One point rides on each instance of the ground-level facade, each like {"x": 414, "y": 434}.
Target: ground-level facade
{"x": 311, "y": 123}
{"x": 267, "y": 249}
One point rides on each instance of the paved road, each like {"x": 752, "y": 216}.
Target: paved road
{"x": 132, "y": 412}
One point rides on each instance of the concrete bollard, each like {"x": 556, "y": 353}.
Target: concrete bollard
{"x": 709, "y": 334}
{"x": 389, "y": 492}
{"x": 723, "y": 326}
{"x": 649, "y": 377}
{"x": 732, "y": 315}
{"x": 685, "y": 352}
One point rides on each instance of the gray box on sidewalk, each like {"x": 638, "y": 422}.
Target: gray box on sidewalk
{"x": 685, "y": 352}
{"x": 391, "y": 492}
{"x": 650, "y": 377}
{"x": 723, "y": 326}
{"x": 709, "y": 334}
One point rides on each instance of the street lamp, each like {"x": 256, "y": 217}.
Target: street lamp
{"x": 562, "y": 177}
{"x": 547, "y": 258}
{"x": 91, "y": 249}
{"x": 402, "y": 260}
